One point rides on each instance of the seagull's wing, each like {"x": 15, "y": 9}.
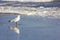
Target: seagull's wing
{"x": 14, "y": 20}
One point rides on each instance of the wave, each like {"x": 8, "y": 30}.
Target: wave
{"x": 30, "y": 8}
{"x": 29, "y": 4}
{"x": 29, "y": 0}
{"x": 41, "y": 11}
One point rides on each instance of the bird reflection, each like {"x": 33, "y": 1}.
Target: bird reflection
{"x": 15, "y": 29}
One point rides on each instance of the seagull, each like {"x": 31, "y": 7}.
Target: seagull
{"x": 16, "y": 20}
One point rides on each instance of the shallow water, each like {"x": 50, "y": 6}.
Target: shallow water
{"x": 31, "y": 28}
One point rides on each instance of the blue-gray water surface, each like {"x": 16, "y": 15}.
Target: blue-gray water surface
{"x": 31, "y": 28}
{"x": 29, "y": 4}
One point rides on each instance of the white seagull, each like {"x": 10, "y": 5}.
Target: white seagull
{"x": 16, "y": 20}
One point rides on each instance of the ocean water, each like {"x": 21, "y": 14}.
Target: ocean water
{"x": 29, "y": 4}
{"x": 31, "y": 28}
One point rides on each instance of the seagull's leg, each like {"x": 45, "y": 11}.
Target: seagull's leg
{"x": 16, "y": 24}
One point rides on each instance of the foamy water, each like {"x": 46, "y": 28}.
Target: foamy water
{"x": 40, "y": 11}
